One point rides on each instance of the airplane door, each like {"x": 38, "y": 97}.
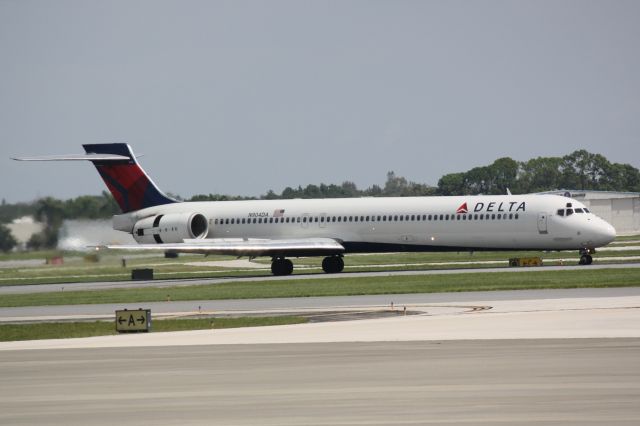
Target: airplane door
{"x": 542, "y": 223}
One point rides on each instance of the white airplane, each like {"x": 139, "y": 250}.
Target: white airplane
{"x": 334, "y": 227}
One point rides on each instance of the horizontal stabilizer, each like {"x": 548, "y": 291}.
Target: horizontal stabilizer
{"x": 76, "y": 157}
{"x": 245, "y": 247}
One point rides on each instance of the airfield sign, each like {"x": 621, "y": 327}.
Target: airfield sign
{"x": 133, "y": 320}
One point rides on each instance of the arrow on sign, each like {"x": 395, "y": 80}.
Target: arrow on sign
{"x": 121, "y": 320}
{"x": 141, "y": 319}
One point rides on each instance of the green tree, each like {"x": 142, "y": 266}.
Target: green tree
{"x": 7, "y": 241}
{"x": 452, "y": 184}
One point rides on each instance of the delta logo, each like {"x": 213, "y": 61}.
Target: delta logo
{"x": 494, "y": 206}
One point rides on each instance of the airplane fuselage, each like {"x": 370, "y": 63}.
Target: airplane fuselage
{"x": 508, "y": 222}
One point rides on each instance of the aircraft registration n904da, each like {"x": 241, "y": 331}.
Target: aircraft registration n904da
{"x": 282, "y": 229}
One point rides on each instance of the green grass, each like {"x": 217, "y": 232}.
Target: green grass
{"x": 11, "y": 332}
{"x": 340, "y": 287}
{"x": 109, "y": 268}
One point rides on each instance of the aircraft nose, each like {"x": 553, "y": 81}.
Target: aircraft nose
{"x": 606, "y": 233}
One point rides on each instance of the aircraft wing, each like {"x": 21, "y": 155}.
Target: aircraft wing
{"x": 245, "y": 247}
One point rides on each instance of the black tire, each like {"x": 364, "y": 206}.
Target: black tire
{"x": 280, "y": 267}
{"x": 332, "y": 264}
{"x": 287, "y": 266}
{"x": 584, "y": 259}
{"x": 589, "y": 259}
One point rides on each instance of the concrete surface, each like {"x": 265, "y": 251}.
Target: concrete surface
{"x": 540, "y": 382}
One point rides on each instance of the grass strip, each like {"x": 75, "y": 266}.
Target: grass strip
{"x": 65, "y": 330}
{"x": 626, "y": 277}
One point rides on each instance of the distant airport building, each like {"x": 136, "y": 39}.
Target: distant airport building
{"x": 621, "y": 209}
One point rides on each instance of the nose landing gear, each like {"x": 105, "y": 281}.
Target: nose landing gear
{"x": 585, "y": 257}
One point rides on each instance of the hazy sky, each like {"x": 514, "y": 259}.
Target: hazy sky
{"x": 240, "y": 97}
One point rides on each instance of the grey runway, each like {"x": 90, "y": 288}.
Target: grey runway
{"x": 106, "y": 285}
{"x": 569, "y": 382}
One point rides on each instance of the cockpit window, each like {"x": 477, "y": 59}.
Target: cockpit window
{"x": 569, "y": 212}
{"x": 586, "y": 210}
{"x": 560, "y": 212}
{"x": 578, "y": 210}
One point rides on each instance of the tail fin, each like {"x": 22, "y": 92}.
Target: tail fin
{"x": 127, "y": 182}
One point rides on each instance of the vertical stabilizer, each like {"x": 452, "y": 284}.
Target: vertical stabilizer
{"x": 127, "y": 182}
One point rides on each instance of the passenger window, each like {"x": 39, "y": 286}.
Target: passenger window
{"x": 362, "y": 218}
{"x": 516, "y": 216}
{"x": 226, "y": 221}
{"x": 475, "y": 216}
{"x": 429, "y": 217}
{"x": 287, "y": 220}
{"x": 493, "y": 216}
{"x": 367, "y": 218}
{"x": 400, "y": 218}
{"x": 499, "y": 215}
{"x": 333, "y": 219}
{"x": 560, "y": 212}
{"x": 441, "y": 216}
{"x": 406, "y": 217}
{"x": 424, "y": 217}
{"x": 510, "y": 215}
{"x": 457, "y": 217}
{"x": 304, "y": 219}
{"x": 216, "y": 221}
{"x": 395, "y": 218}
{"x": 481, "y": 216}
{"x": 339, "y": 218}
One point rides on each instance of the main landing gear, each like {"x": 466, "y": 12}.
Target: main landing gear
{"x": 585, "y": 257}
{"x": 281, "y": 266}
{"x": 332, "y": 264}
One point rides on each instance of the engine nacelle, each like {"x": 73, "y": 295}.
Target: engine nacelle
{"x": 170, "y": 228}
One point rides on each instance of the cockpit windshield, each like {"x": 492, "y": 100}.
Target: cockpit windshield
{"x": 569, "y": 211}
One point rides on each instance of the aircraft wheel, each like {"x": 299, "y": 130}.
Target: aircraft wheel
{"x": 281, "y": 266}
{"x": 586, "y": 259}
{"x": 332, "y": 264}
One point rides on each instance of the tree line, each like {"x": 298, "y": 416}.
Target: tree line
{"x": 580, "y": 170}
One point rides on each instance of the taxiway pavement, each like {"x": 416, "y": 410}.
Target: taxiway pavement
{"x": 525, "y": 382}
